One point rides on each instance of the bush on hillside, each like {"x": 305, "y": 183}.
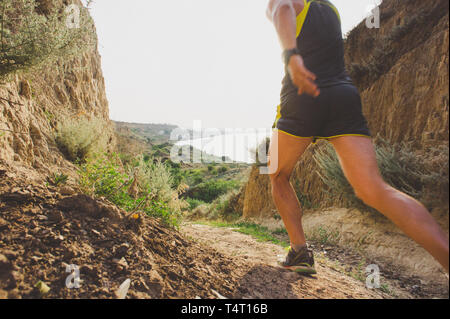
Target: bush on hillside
{"x": 422, "y": 175}
{"x": 34, "y": 32}
{"x": 78, "y": 139}
{"x": 140, "y": 187}
{"x": 222, "y": 208}
{"x": 210, "y": 190}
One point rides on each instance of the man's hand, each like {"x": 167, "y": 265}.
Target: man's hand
{"x": 302, "y": 78}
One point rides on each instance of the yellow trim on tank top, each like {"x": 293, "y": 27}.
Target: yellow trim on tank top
{"x": 301, "y": 18}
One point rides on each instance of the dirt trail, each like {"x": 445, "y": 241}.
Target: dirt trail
{"x": 44, "y": 229}
{"x": 262, "y": 278}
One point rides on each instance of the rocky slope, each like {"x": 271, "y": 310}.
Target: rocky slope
{"x": 33, "y": 103}
{"x": 405, "y": 77}
{"x": 402, "y": 71}
{"x": 43, "y": 230}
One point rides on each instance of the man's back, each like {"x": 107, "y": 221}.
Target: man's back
{"x": 319, "y": 40}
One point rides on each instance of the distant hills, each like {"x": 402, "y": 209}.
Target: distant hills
{"x": 148, "y": 133}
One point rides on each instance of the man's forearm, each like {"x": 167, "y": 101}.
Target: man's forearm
{"x": 285, "y": 23}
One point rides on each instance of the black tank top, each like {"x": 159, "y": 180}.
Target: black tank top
{"x": 319, "y": 39}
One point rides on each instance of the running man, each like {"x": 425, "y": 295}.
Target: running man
{"x": 319, "y": 101}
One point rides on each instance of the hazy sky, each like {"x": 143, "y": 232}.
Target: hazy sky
{"x": 175, "y": 61}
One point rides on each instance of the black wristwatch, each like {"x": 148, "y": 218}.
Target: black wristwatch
{"x": 287, "y": 54}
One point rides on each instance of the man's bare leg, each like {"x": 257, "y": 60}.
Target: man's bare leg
{"x": 358, "y": 160}
{"x": 288, "y": 150}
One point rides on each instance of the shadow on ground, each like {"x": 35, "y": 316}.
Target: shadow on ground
{"x": 268, "y": 282}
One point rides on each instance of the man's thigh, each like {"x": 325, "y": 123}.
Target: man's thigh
{"x": 358, "y": 160}
{"x": 284, "y": 152}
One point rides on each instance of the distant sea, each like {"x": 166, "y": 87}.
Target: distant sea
{"x": 238, "y": 146}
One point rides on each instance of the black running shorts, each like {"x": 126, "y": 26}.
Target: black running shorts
{"x": 336, "y": 112}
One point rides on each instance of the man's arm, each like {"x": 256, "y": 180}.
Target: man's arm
{"x": 283, "y": 14}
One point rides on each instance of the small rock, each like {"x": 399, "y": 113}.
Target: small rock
{"x": 56, "y": 215}
{"x": 121, "y": 251}
{"x": 42, "y": 287}
{"x": 42, "y": 217}
{"x": 218, "y": 295}
{"x": 3, "y": 224}
{"x": 141, "y": 286}
{"x": 5, "y": 264}
{"x": 11, "y": 255}
{"x": 96, "y": 232}
{"x": 36, "y": 259}
{"x": 55, "y": 240}
{"x": 34, "y": 210}
{"x": 121, "y": 264}
{"x": 122, "y": 292}
{"x": 66, "y": 190}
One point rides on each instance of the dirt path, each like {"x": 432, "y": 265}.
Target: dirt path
{"x": 262, "y": 278}
{"x": 43, "y": 231}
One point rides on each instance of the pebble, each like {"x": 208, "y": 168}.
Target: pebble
{"x": 96, "y": 232}
{"x": 122, "y": 292}
{"x": 121, "y": 251}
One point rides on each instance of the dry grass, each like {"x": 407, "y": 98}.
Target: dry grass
{"x": 423, "y": 175}
{"x": 78, "y": 139}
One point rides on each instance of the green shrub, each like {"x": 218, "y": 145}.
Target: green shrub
{"x": 194, "y": 203}
{"x": 58, "y": 179}
{"x": 78, "y": 139}
{"x": 223, "y": 169}
{"x": 324, "y": 236}
{"x": 152, "y": 176}
{"x": 104, "y": 175}
{"x": 34, "y": 33}
{"x": 198, "y": 179}
{"x": 222, "y": 207}
{"x": 210, "y": 190}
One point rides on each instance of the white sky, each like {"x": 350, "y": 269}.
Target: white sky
{"x": 177, "y": 61}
